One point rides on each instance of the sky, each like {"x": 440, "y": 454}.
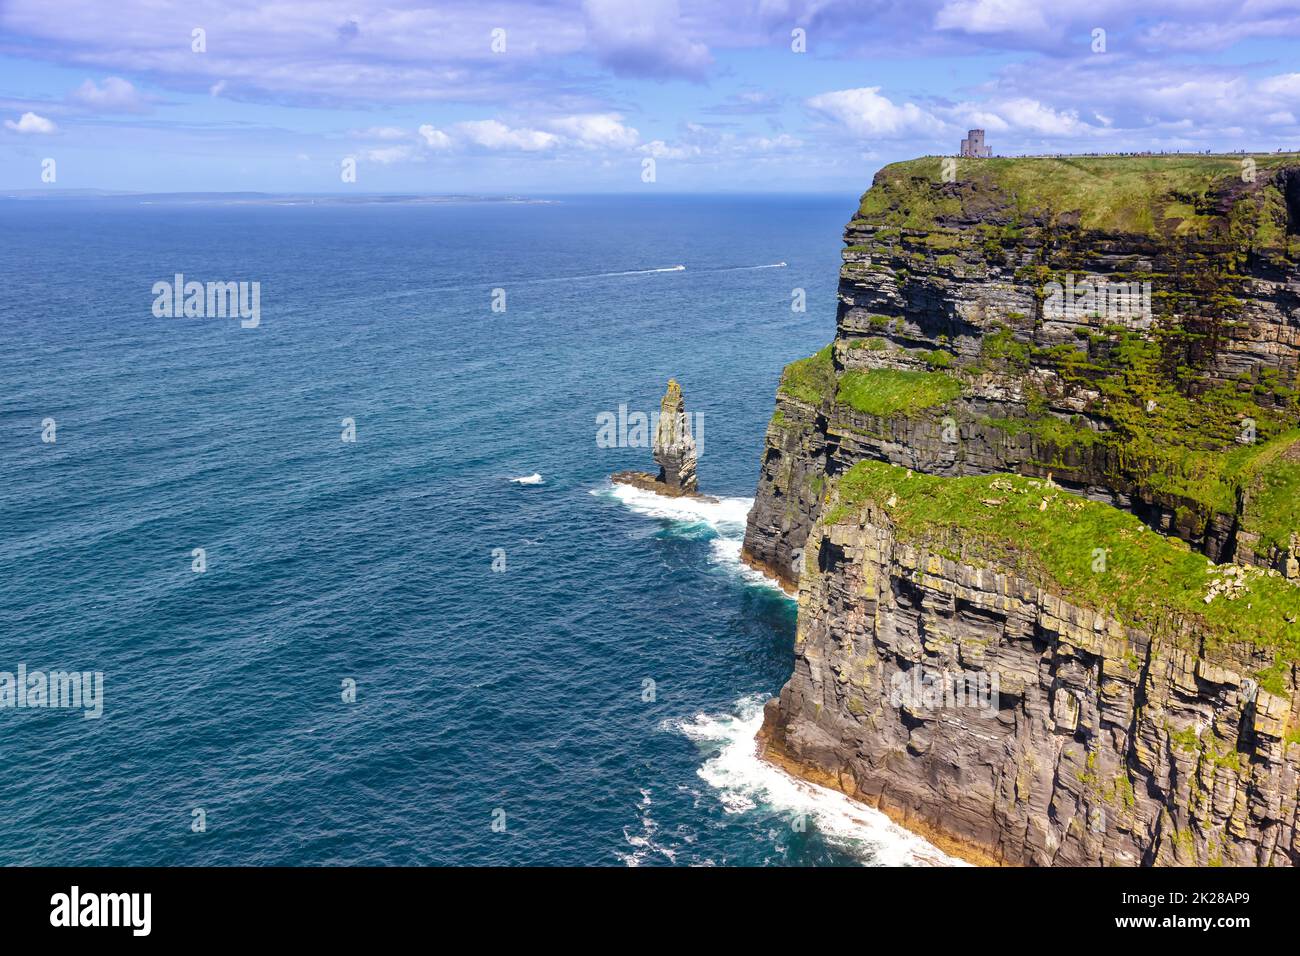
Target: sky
{"x": 562, "y": 96}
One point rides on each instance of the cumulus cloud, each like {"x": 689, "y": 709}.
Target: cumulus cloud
{"x": 30, "y": 123}
{"x": 433, "y": 138}
{"x": 1285, "y": 84}
{"x": 113, "y": 95}
{"x": 579, "y": 131}
{"x": 1032, "y": 116}
{"x": 864, "y": 112}
{"x": 597, "y": 130}
{"x": 390, "y": 154}
{"x": 493, "y": 134}
{"x": 993, "y": 16}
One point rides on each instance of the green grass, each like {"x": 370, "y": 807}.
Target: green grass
{"x": 810, "y": 380}
{"x": 1149, "y": 581}
{"x": 1166, "y": 430}
{"x": 875, "y": 344}
{"x": 1145, "y": 195}
{"x": 1271, "y": 478}
{"x": 887, "y": 392}
{"x": 937, "y": 358}
{"x": 1001, "y": 351}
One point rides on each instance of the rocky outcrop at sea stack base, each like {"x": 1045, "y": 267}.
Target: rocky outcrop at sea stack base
{"x": 674, "y": 450}
{"x": 1052, "y": 457}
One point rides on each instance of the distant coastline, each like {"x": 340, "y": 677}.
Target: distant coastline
{"x": 264, "y": 199}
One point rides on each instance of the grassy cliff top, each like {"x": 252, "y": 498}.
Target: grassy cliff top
{"x": 1049, "y": 535}
{"x": 1146, "y": 195}
{"x": 881, "y": 392}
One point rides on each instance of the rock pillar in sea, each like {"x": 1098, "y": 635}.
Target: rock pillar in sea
{"x": 674, "y": 444}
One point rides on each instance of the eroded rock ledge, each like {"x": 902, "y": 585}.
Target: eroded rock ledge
{"x": 1107, "y": 743}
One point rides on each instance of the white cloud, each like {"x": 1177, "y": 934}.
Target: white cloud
{"x": 493, "y": 134}
{"x": 604, "y": 130}
{"x": 582, "y": 130}
{"x": 434, "y": 138}
{"x": 114, "y": 95}
{"x": 217, "y": 88}
{"x": 389, "y": 154}
{"x": 1285, "y": 84}
{"x": 774, "y": 143}
{"x": 992, "y": 16}
{"x": 31, "y": 123}
{"x": 1032, "y": 116}
{"x": 864, "y": 112}
{"x": 661, "y": 150}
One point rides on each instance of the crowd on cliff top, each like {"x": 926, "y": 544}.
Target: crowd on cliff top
{"x": 1163, "y": 152}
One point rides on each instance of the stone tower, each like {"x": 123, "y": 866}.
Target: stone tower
{"x": 973, "y": 145}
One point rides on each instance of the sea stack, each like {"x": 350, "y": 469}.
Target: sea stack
{"x": 675, "y": 451}
{"x": 674, "y": 443}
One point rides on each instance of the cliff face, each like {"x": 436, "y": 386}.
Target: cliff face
{"x": 1125, "y": 333}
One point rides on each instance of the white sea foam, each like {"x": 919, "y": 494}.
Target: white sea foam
{"x": 746, "y": 783}
{"x": 534, "y": 479}
{"x": 644, "y": 844}
{"x": 726, "y": 515}
{"x": 724, "y": 520}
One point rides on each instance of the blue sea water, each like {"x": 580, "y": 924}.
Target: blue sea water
{"x": 482, "y": 696}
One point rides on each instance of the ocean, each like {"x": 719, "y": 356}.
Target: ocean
{"x": 389, "y": 650}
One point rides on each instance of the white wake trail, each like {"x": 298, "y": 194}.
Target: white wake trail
{"x": 770, "y": 265}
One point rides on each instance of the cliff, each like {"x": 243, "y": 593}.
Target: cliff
{"x": 1056, "y": 443}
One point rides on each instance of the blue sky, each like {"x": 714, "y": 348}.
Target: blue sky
{"x": 575, "y": 95}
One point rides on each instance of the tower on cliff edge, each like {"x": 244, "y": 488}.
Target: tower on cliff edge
{"x": 973, "y": 145}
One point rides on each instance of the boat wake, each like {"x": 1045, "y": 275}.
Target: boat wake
{"x": 745, "y": 783}
{"x": 770, "y": 265}
{"x": 635, "y": 272}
